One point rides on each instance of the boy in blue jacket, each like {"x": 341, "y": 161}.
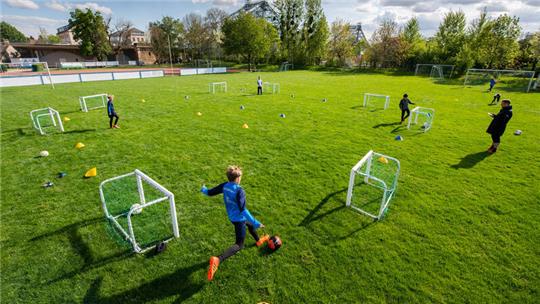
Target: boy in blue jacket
{"x": 234, "y": 198}
{"x": 112, "y": 113}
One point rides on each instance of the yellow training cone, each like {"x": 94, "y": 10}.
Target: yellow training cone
{"x": 383, "y": 160}
{"x": 66, "y": 118}
{"x": 91, "y": 173}
{"x": 79, "y": 145}
{"x": 245, "y": 126}
{"x": 199, "y": 113}
{"x": 143, "y": 100}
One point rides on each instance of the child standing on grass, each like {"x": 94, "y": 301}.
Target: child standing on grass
{"x": 112, "y": 113}
{"x": 496, "y": 99}
{"x": 492, "y": 83}
{"x": 498, "y": 124}
{"x": 259, "y": 86}
{"x": 404, "y": 106}
{"x": 235, "y": 203}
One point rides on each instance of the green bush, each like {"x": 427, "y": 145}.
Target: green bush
{"x": 38, "y": 67}
{"x": 3, "y": 68}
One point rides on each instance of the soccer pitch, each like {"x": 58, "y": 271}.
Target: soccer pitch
{"x": 463, "y": 226}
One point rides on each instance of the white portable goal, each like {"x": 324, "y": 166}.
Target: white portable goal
{"x": 46, "y": 118}
{"x": 24, "y": 68}
{"x": 214, "y": 87}
{"x": 271, "y": 87}
{"x": 426, "y": 116}
{"x": 369, "y": 98}
{"x": 372, "y": 192}
{"x": 92, "y": 102}
{"x": 285, "y": 66}
{"x": 435, "y": 71}
{"x": 510, "y": 78}
{"x": 139, "y": 212}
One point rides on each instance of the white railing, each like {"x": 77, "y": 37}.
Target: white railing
{"x": 88, "y": 64}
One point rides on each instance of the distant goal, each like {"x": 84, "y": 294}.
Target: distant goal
{"x": 518, "y": 79}
{"x": 374, "y": 100}
{"x": 434, "y": 71}
{"x": 92, "y": 102}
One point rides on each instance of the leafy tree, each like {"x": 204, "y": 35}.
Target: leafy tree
{"x": 412, "y": 44}
{"x": 529, "y": 51}
{"x": 450, "y": 36}
{"x": 503, "y": 46}
{"x": 9, "y": 32}
{"x": 162, "y": 32}
{"x": 90, "y": 28}
{"x": 196, "y": 35}
{"x": 44, "y": 37}
{"x": 248, "y": 37}
{"x": 341, "y": 43}
{"x": 290, "y": 17}
{"x": 385, "y": 49}
{"x": 315, "y": 32}
{"x": 213, "y": 21}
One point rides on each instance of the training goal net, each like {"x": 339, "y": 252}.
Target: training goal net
{"x": 46, "y": 118}
{"x": 517, "y": 79}
{"x": 92, "y": 102}
{"x": 372, "y": 184}
{"x": 286, "y": 66}
{"x": 214, "y": 87}
{"x": 141, "y": 210}
{"x": 375, "y": 100}
{"x": 435, "y": 71}
{"x": 422, "y": 117}
{"x": 272, "y": 88}
{"x": 28, "y": 68}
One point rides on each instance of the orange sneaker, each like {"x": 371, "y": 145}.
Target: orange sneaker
{"x": 263, "y": 240}
{"x": 214, "y": 264}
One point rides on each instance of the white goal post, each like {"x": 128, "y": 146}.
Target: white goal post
{"x": 379, "y": 171}
{"x": 427, "y": 113}
{"x": 221, "y": 87}
{"x": 92, "y": 102}
{"x": 28, "y": 67}
{"x": 48, "y": 113}
{"x": 137, "y": 208}
{"x": 482, "y": 76}
{"x": 369, "y": 96}
{"x": 273, "y": 87}
{"x": 437, "y": 71}
{"x": 285, "y": 66}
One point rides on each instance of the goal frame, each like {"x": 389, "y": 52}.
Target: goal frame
{"x": 429, "y": 113}
{"x": 388, "y": 190}
{"x": 212, "y": 87}
{"x": 129, "y": 235}
{"x": 286, "y": 66}
{"x": 84, "y": 106}
{"x": 50, "y": 112}
{"x": 274, "y": 86}
{"x": 27, "y": 65}
{"x": 368, "y": 95}
{"x": 440, "y": 67}
{"x": 497, "y": 73}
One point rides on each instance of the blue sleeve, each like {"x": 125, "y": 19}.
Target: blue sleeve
{"x": 250, "y": 219}
{"x": 241, "y": 199}
{"x": 216, "y": 190}
{"x": 110, "y": 108}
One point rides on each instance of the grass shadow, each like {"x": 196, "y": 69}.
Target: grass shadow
{"x": 313, "y": 216}
{"x": 78, "y": 131}
{"x": 177, "y": 284}
{"x": 471, "y": 160}
{"x": 386, "y": 125}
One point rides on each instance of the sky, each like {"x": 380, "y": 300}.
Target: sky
{"x": 31, "y": 15}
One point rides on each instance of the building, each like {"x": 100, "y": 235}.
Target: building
{"x": 66, "y": 35}
{"x": 358, "y": 33}
{"x": 130, "y": 37}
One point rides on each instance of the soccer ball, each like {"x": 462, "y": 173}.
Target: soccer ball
{"x": 425, "y": 126}
{"x": 274, "y": 243}
{"x": 282, "y": 115}
{"x": 518, "y": 132}
{"x": 137, "y": 211}
{"x": 242, "y": 107}
{"x": 186, "y": 97}
{"x": 44, "y": 153}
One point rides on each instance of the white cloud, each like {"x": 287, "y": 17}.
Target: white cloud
{"x": 30, "y": 25}
{"x": 93, "y": 6}
{"x": 27, "y": 4}
{"x": 57, "y": 6}
{"x": 217, "y": 2}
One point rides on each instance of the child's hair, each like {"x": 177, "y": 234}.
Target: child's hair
{"x": 111, "y": 97}
{"x": 506, "y": 101}
{"x": 233, "y": 172}
{"x": 405, "y": 95}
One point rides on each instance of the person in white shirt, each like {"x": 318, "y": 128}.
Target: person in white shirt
{"x": 259, "y": 86}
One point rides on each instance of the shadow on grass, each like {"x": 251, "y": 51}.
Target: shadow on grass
{"x": 177, "y": 284}
{"x": 470, "y": 160}
{"x": 78, "y": 131}
{"x": 312, "y": 215}
{"x": 386, "y": 125}
{"x": 81, "y": 248}
{"x": 70, "y": 112}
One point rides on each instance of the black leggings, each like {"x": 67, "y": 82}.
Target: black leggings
{"x": 240, "y": 231}
{"x": 496, "y": 138}
{"x": 259, "y": 90}
{"x": 403, "y": 113}
{"x": 111, "y": 119}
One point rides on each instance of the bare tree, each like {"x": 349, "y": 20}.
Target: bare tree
{"x": 120, "y": 38}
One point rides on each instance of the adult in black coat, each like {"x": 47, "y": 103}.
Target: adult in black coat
{"x": 498, "y": 124}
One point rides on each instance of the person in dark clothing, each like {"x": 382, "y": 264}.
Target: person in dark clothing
{"x": 404, "y": 106}
{"x": 112, "y": 113}
{"x": 492, "y": 83}
{"x": 235, "y": 203}
{"x": 259, "y": 86}
{"x": 498, "y": 124}
{"x": 496, "y": 99}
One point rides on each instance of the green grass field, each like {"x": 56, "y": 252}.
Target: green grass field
{"x": 462, "y": 228}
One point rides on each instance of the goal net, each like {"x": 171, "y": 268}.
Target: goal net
{"x": 374, "y": 100}
{"x": 137, "y": 207}
{"x": 435, "y": 71}
{"x": 46, "y": 118}
{"x": 517, "y": 79}
{"x": 285, "y": 66}
{"x": 372, "y": 184}
{"x": 92, "y": 102}
{"x": 214, "y": 87}
{"x": 28, "y": 68}
{"x": 421, "y": 116}
{"x": 274, "y": 88}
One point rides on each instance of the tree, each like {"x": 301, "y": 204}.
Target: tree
{"x": 412, "y": 44}
{"x": 248, "y": 37}
{"x": 529, "y": 51}
{"x": 162, "y": 32}
{"x": 10, "y": 33}
{"x": 196, "y": 35}
{"x": 289, "y": 15}
{"x": 341, "y": 43}
{"x": 503, "y": 46}
{"x": 44, "y": 37}
{"x": 315, "y": 33}
{"x": 213, "y": 21}
{"x": 90, "y": 28}
{"x": 450, "y": 36}
{"x": 385, "y": 49}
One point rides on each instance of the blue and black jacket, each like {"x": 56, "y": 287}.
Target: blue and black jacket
{"x": 234, "y": 198}
{"x": 110, "y": 108}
